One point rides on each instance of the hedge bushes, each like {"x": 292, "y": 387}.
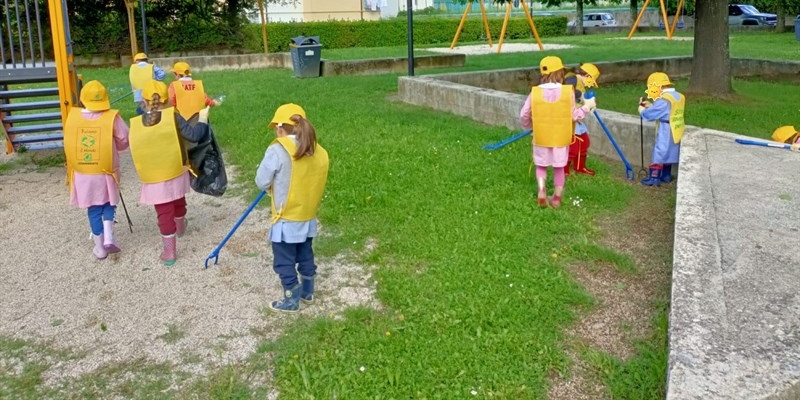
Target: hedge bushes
{"x": 392, "y": 32}
{"x": 111, "y": 37}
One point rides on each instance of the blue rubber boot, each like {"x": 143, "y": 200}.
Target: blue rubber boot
{"x": 307, "y": 289}
{"x": 655, "y": 176}
{"x": 666, "y": 173}
{"x": 290, "y": 302}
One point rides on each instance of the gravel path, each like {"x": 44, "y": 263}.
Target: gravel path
{"x": 129, "y": 306}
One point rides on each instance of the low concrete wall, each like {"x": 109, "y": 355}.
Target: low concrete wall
{"x": 750, "y": 68}
{"x": 228, "y": 62}
{"x": 328, "y": 67}
{"x": 390, "y": 65}
{"x": 520, "y": 80}
{"x": 734, "y": 310}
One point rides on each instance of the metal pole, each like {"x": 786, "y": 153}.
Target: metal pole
{"x": 128, "y": 216}
{"x": 144, "y": 27}
{"x": 410, "y": 9}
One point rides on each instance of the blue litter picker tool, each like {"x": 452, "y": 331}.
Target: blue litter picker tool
{"x": 512, "y": 139}
{"x": 629, "y": 174}
{"x": 765, "y": 144}
{"x": 215, "y": 254}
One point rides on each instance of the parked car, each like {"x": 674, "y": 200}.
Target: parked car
{"x": 596, "y": 19}
{"x": 745, "y": 14}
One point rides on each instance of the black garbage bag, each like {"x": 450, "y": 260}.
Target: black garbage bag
{"x": 206, "y": 161}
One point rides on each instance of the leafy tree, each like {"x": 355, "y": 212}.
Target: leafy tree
{"x": 101, "y": 25}
{"x": 672, "y": 6}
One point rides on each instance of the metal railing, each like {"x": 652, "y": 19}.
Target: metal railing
{"x": 21, "y": 35}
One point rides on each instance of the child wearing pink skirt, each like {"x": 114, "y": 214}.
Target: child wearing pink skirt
{"x": 550, "y": 111}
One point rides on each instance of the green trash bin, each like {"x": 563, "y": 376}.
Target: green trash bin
{"x": 306, "y": 56}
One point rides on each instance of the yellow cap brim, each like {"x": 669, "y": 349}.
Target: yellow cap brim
{"x": 101, "y": 105}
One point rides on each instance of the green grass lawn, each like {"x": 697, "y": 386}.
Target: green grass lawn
{"x": 471, "y": 272}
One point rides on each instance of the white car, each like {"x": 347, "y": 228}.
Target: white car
{"x": 596, "y": 19}
{"x": 745, "y": 14}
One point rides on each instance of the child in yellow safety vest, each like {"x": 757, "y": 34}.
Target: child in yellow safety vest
{"x": 294, "y": 171}
{"x": 186, "y": 94}
{"x": 158, "y": 148}
{"x": 550, "y": 111}
{"x": 584, "y": 78}
{"x": 141, "y": 72}
{"x": 93, "y": 136}
{"x": 667, "y": 109}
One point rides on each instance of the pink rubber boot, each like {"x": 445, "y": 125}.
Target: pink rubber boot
{"x": 108, "y": 238}
{"x": 99, "y": 251}
{"x": 168, "y": 255}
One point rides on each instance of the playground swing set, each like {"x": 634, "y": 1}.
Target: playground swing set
{"x": 531, "y": 24}
{"x": 669, "y": 29}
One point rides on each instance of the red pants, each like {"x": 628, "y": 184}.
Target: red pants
{"x": 579, "y": 147}
{"x": 167, "y": 212}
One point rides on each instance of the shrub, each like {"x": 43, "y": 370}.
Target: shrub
{"x": 392, "y": 32}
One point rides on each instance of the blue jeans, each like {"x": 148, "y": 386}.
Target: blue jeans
{"x": 98, "y": 214}
{"x": 287, "y": 256}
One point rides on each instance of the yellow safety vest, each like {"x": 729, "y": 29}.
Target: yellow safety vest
{"x": 140, "y": 75}
{"x": 190, "y": 97}
{"x": 89, "y": 144}
{"x": 307, "y": 185}
{"x": 157, "y": 151}
{"x": 552, "y": 122}
{"x": 676, "y": 122}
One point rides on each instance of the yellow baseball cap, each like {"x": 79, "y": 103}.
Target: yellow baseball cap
{"x": 181, "y": 68}
{"x": 95, "y": 97}
{"x": 550, "y": 64}
{"x": 594, "y": 73}
{"x": 785, "y": 134}
{"x": 284, "y": 114}
{"x": 154, "y": 87}
{"x": 140, "y": 56}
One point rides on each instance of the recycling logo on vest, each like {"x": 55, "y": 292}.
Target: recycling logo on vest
{"x": 89, "y": 145}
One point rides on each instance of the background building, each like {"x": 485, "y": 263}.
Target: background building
{"x": 325, "y": 10}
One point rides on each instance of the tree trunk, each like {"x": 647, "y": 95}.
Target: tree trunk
{"x": 780, "y": 27}
{"x": 634, "y": 11}
{"x": 711, "y": 67}
{"x": 579, "y": 17}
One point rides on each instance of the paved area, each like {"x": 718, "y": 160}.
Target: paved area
{"x": 735, "y": 317}
{"x": 478, "y": 49}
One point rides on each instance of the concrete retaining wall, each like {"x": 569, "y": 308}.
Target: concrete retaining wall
{"x": 389, "y": 65}
{"x": 228, "y": 62}
{"x": 202, "y": 63}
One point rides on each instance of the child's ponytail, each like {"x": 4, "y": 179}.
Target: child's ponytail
{"x": 306, "y": 136}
